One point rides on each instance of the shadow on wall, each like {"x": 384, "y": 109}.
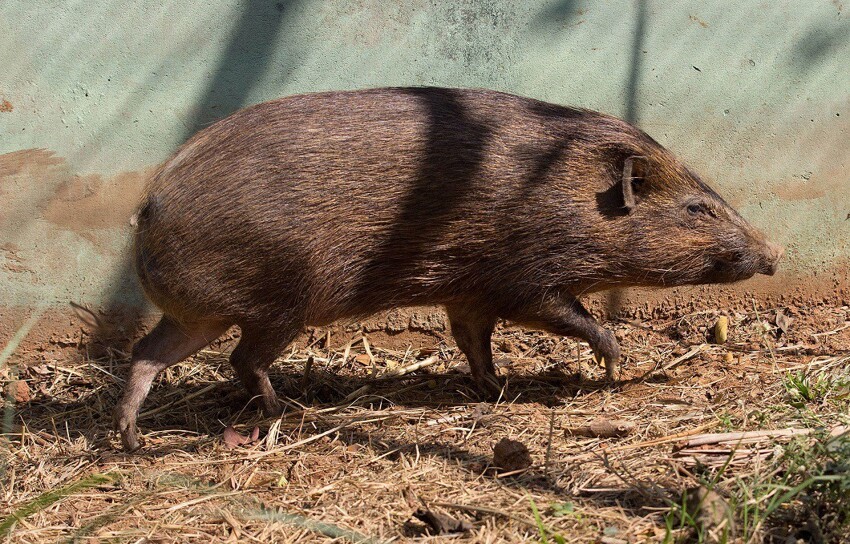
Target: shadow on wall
{"x": 614, "y": 298}
{"x": 632, "y": 110}
{"x": 818, "y": 44}
{"x": 243, "y": 63}
{"x": 558, "y": 13}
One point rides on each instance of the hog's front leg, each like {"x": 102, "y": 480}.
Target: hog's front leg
{"x": 565, "y": 316}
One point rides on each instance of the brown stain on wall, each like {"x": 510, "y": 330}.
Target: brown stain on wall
{"x": 20, "y": 168}
{"x": 799, "y": 189}
{"x": 78, "y": 203}
{"x": 92, "y": 202}
{"x": 30, "y": 161}
{"x": 6, "y": 106}
{"x": 697, "y": 20}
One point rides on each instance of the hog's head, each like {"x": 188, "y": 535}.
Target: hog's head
{"x": 676, "y": 230}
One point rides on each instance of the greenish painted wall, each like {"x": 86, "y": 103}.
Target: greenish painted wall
{"x": 755, "y": 95}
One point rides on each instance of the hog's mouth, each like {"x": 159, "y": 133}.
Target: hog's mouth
{"x": 731, "y": 270}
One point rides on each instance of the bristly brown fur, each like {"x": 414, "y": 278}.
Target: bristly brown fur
{"x": 313, "y": 208}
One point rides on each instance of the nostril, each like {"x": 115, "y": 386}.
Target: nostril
{"x": 773, "y": 254}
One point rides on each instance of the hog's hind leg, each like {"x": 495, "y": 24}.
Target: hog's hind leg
{"x": 168, "y": 343}
{"x": 472, "y": 330}
{"x": 257, "y": 350}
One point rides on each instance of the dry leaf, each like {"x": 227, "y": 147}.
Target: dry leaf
{"x": 87, "y": 316}
{"x": 604, "y": 428}
{"x": 711, "y": 512}
{"x": 783, "y": 322}
{"x": 233, "y": 439}
{"x": 41, "y": 370}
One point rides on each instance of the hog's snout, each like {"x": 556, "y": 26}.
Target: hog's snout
{"x": 772, "y": 254}
{"x": 758, "y": 257}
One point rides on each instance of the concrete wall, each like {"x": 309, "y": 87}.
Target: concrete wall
{"x": 755, "y": 95}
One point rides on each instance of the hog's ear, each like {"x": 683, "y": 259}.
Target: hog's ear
{"x": 634, "y": 172}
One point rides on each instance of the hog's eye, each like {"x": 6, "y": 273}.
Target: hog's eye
{"x": 697, "y": 208}
{"x": 700, "y": 209}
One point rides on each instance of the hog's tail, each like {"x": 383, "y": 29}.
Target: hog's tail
{"x": 148, "y": 268}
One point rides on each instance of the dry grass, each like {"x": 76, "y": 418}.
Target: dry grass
{"x": 339, "y": 467}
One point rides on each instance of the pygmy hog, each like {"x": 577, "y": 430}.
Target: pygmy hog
{"x": 314, "y": 208}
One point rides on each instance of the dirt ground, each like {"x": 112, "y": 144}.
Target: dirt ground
{"x": 362, "y": 447}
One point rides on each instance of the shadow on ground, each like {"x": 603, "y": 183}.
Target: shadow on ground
{"x": 204, "y": 409}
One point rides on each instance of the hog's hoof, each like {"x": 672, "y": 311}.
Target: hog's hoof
{"x": 272, "y": 408}
{"x": 609, "y": 354}
{"x": 489, "y": 386}
{"x": 130, "y": 440}
{"x": 126, "y": 427}
{"x": 612, "y": 367}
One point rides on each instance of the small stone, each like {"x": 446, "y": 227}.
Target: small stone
{"x": 721, "y": 330}
{"x": 232, "y": 438}
{"x": 19, "y": 391}
{"x": 510, "y": 455}
{"x": 711, "y": 513}
{"x": 442, "y": 524}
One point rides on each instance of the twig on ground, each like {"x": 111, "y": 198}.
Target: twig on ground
{"x": 391, "y": 374}
{"x": 663, "y": 439}
{"x": 485, "y": 510}
{"x": 181, "y": 400}
{"x": 681, "y": 359}
{"x": 755, "y": 436}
